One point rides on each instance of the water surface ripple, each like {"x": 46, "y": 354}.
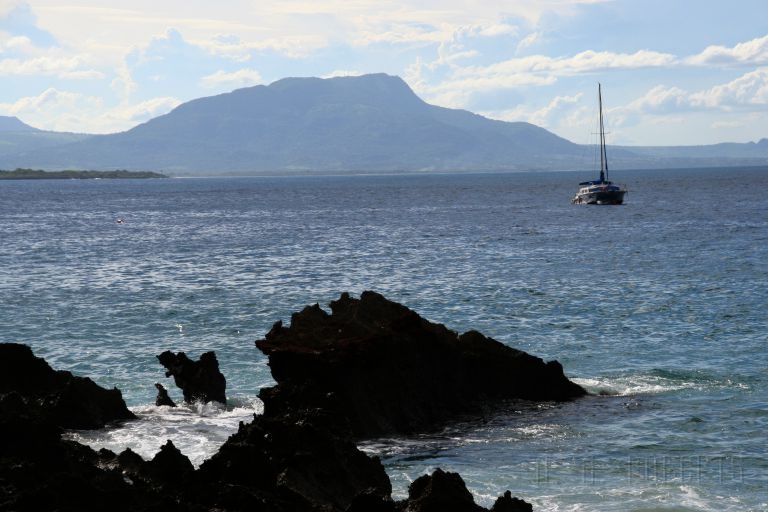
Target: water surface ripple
{"x": 658, "y": 307}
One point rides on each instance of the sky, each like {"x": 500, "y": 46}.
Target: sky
{"x": 673, "y": 72}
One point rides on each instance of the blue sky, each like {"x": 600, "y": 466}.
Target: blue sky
{"x": 673, "y": 71}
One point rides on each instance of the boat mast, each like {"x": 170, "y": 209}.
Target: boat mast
{"x": 603, "y": 154}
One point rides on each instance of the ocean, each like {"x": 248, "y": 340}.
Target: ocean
{"x": 658, "y": 307}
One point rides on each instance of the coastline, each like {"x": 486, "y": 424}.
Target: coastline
{"x": 38, "y": 174}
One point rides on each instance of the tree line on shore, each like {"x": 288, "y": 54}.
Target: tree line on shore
{"x": 38, "y": 174}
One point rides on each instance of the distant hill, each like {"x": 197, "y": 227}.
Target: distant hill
{"x": 13, "y": 124}
{"x": 18, "y": 138}
{"x": 372, "y": 122}
{"x": 346, "y": 124}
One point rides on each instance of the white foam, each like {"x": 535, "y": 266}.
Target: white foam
{"x": 636, "y": 385}
{"x": 197, "y": 430}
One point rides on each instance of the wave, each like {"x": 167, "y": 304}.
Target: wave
{"x": 655, "y": 382}
{"x": 198, "y": 430}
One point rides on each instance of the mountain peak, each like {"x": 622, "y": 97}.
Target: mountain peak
{"x": 352, "y": 123}
{"x": 372, "y": 89}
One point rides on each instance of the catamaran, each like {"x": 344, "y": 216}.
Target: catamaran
{"x": 600, "y": 191}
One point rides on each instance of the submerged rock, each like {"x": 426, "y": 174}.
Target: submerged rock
{"x": 56, "y": 396}
{"x": 378, "y": 368}
{"x": 199, "y": 380}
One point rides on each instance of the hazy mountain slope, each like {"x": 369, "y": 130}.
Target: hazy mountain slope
{"x": 365, "y": 123}
{"x": 372, "y": 122}
{"x": 17, "y": 137}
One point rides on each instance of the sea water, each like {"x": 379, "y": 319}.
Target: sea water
{"x": 658, "y": 307}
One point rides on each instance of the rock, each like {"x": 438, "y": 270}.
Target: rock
{"x": 199, "y": 380}
{"x": 162, "y": 397}
{"x": 57, "y": 397}
{"x": 339, "y": 377}
{"x": 169, "y": 465}
{"x": 305, "y": 466}
{"x": 507, "y": 503}
{"x": 377, "y": 368}
{"x": 439, "y": 492}
{"x": 371, "y": 502}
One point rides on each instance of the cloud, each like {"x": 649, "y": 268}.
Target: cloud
{"x": 750, "y": 89}
{"x": 145, "y": 110}
{"x": 754, "y": 52}
{"x": 530, "y": 40}
{"x": 62, "y": 67}
{"x": 19, "y": 20}
{"x": 50, "y": 101}
{"x": 584, "y": 62}
{"x": 661, "y": 100}
{"x": 745, "y": 93}
{"x": 342, "y": 72}
{"x": 547, "y": 116}
{"x": 67, "y": 111}
{"x": 465, "y": 82}
{"x": 233, "y": 80}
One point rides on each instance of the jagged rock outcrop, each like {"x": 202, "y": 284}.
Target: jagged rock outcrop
{"x": 199, "y": 380}
{"x": 440, "y": 491}
{"x": 376, "y": 368}
{"x": 297, "y": 465}
{"x": 40, "y": 471}
{"x": 370, "y": 367}
{"x": 56, "y": 397}
{"x": 508, "y": 503}
{"x": 162, "y": 396}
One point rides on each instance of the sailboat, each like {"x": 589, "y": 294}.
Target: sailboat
{"x": 601, "y": 191}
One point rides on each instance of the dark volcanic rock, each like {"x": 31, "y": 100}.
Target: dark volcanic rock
{"x": 298, "y": 463}
{"x": 162, "y": 397}
{"x": 199, "y": 380}
{"x": 372, "y": 366}
{"x": 507, "y": 503}
{"x": 54, "y": 396}
{"x": 439, "y": 492}
{"x": 378, "y": 368}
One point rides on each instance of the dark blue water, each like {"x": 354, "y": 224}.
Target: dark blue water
{"x": 659, "y": 305}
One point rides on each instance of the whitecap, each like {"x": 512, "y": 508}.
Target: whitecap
{"x": 198, "y": 430}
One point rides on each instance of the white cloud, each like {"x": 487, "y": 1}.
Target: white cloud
{"x": 50, "y": 104}
{"x": 661, "y": 99}
{"x": 530, "y": 40}
{"x": 57, "y": 66}
{"x": 67, "y": 111}
{"x": 143, "y": 111}
{"x": 123, "y": 84}
{"x": 463, "y": 83}
{"x": 749, "y": 89}
{"x": 342, "y": 72}
{"x": 754, "y": 52}
{"x": 235, "y": 79}
{"x": 583, "y": 62}
{"x": 547, "y": 116}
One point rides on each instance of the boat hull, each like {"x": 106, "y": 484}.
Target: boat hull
{"x": 600, "y": 197}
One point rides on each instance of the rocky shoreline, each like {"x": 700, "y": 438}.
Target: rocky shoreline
{"x": 371, "y": 367}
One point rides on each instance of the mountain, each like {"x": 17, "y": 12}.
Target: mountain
{"x": 17, "y": 138}
{"x": 366, "y": 123}
{"x": 13, "y": 124}
{"x": 345, "y": 124}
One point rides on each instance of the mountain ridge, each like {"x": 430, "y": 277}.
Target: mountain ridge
{"x": 345, "y": 124}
